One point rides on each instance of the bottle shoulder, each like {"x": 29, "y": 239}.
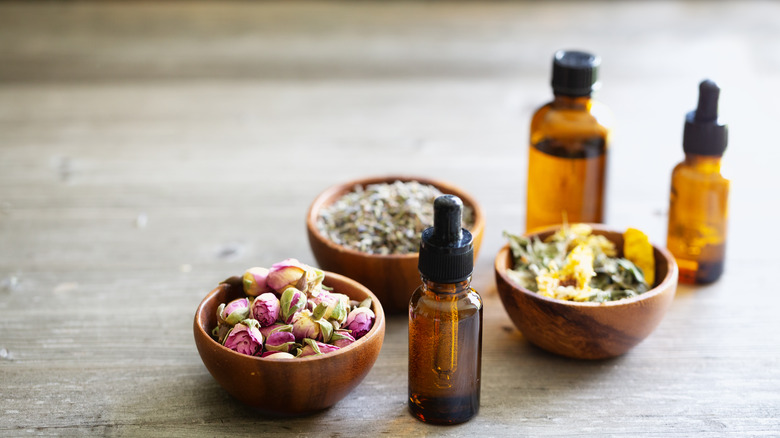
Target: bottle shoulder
{"x": 593, "y": 120}
{"x": 700, "y": 171}
{"x": 427, "y": 302}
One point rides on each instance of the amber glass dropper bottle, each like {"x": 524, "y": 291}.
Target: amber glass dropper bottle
{"x": 698, "y": 203}
{"x": 445, "y": 323}
{"x": 567, "y": 159}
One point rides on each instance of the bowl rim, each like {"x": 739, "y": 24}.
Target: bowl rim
{"x": 378, "y": 326}
{"x": 346, "y": 187}
{"x": 659, "y": 288}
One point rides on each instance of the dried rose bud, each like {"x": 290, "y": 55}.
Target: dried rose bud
{"x": 307, "y": 325}
{"x": 312, "y": 347}
{"x": 341, "y": 338}
{"x": 233, "y": 312}
{"x": 220, "y": 331}
{"x": 265, "y": 309}
{"x": 337, "y": 305}
{"x": 291, "y": 302}
{"x": 245, "y": 338}
{"x": 359, "y": 321}
{"x": 287, "y": 273}
{"x": 277, "y": 327}
{"x": 280, "y": 341}
{"x": 254, "y": 281}
{"x": 292, "y": 273}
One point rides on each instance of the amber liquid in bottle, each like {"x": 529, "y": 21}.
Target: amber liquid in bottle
{"x": 567, "y": 163}
{"x": 698, "y": 215}
{"x": 445, "y": 352}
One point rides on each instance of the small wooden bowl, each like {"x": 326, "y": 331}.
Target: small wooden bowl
{"x": 294, "y": 386}
{"x": 587, "y": 330}
{"x": 393, "y": 278}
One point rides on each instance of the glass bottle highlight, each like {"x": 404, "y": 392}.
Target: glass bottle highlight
{"x": 569, "y": 142}
{"x": 445, "y": 323}
{"x": 698, "y": 201}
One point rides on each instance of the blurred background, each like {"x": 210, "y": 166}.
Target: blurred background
{"x": 177, "y": 105}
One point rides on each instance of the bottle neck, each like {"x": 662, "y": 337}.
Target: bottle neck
{"x": 704, "y": 163}
{"x": 572, "y": 102}
{"x": 458, "y": 288}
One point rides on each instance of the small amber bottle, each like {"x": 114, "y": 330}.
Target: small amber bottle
{"x": 445, "y": 323}
{"x": 567, "y": 161}
{"x": 698, "y": 202}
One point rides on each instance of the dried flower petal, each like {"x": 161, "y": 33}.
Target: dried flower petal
{"x": 233, "y": 312}
{"x": 266, "y": 309}
{"x": 254, "y": 281}
{"x": 312, "y": 347}
{"x": 245, "y": 338}
{"x": 360, "y": 321}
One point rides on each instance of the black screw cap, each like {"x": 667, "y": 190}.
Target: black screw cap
{"x": 446, "y": 249}
{"x": 575, "y": 73}
{"x": 704, "y": 134}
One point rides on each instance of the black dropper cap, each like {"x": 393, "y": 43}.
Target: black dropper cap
{"x": 575, "y": 73}
{"x": 446, "y": 251}
{"x": 704, "y": 134}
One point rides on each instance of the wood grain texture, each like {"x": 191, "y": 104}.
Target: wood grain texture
{"x": 587, "y": 330}
{"x": 148, "y": 150}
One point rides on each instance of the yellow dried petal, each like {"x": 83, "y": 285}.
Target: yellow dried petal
{"x": 598, "y": 241}
{"x": 579, "y": 266}
{"x": 638, "y": 250}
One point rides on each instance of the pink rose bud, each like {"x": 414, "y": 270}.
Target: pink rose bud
{"x": 341, "y": 338}
{"x": 313, "y": 347}
{"x": 291, "y": 302}
{"x": 277, "y": 327}
{"x": 254, "y": 281}
{"x": 266, "y": 309}
{"x": 292, "y": 273}
{"x": 287, "y": 273}
{"x": 280, "y": 341}
{"x": 305, "y": 325}
{"x": 233, "y": 312}
{"x": 277, "y": 355}
{"x": 245, "y": 338}
{"x": 337, "y": 305}
{"x": 359, "y": 321}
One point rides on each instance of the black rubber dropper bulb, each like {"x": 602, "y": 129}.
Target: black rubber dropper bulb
{"x": 704, "y": 134}
{"x": 446, "y": 251}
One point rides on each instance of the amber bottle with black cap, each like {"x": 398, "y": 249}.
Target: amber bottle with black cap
{"x": 445, "y": 323}
{"x": 569, "y": 143}
{"x": 698, "y": 203}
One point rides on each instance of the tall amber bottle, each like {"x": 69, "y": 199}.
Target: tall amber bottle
{"x": 445, "y": 323}
{"x": 698, "y": 202}
{"x": 569, "y": 142}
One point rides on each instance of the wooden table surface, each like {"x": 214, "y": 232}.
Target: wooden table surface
{"x": 149, "y": 150}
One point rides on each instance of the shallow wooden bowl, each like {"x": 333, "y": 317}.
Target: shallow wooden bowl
{"x": 295, "y": 386}
{"x": 587, "y": 330}
{"x": 393, "y": 278}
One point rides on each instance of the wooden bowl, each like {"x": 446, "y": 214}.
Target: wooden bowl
{"x": 393, "y": 278}
{"x": 294, "y": 386}
{"x": 587, "y": 330}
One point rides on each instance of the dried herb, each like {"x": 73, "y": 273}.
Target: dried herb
{"x": 574, "y": 264}
{"x": 383, "y": 218}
